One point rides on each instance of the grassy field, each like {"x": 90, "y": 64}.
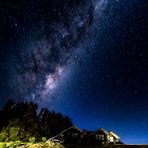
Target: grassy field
{"x": 51, "y": 145}
{"x": 30, "y": 145}
{"x": 106, "y": 146}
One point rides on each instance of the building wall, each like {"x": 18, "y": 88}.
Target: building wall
{"x": 72, "y": 136}
{"x": 99, "y": 137}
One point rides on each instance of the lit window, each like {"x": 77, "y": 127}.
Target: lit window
{"x": 97, "y": 137}
{"x": 111, "y": 139}
{"x": 102, "y": 136}
{"x": 108, "y": 137}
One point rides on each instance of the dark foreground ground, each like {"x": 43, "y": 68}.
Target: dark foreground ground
{"x": 106, "y": 146}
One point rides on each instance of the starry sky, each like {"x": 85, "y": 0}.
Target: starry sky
{"x": 85, "y": 58}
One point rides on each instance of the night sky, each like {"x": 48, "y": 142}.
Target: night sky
{"x": 85, "y": 58}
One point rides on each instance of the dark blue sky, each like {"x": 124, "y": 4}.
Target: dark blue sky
{"x": 109, "y": 88}
{"x": 90, "y": 64}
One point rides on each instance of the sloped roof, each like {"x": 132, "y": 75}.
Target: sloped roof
{"x": 58, "y": 137}
{"x": 75, "y": 127}
{"x": 100, "y": 129}
{"x": 114, "y": 135}
{"x": 89, "y": 132}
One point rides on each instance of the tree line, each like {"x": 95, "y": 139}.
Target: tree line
{"x": 22, "y": 120}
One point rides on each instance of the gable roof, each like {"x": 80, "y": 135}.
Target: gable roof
{"x": 114, "y": 135}
{"x": 75, "y": 127}
{"x": 89, "y": 132}
{"x": 58, "y": 137}
{"x": 100, "y": 129}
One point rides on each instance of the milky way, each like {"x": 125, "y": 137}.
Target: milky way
{"x": 46, "y": 49}
{"x": 84, "y": 58}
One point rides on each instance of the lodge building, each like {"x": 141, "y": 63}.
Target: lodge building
{"x": 77, "y": 135}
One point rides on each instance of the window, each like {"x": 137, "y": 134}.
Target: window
{"x": 99, "y": 137}
{"x": 102, "y": 137}
{"x": 74, "y": 135}
{"x": 108, "y": 137}
{"x": 111, "y": 139}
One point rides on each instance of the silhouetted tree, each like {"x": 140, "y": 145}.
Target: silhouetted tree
{"x": 30, "y": 118}
{"x": 53, "y": 123}
{"x": 20, "y": 121}
{"x": 7, "y": 113}
{"x": 44, "y": 118}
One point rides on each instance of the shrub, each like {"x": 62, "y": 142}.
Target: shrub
{"x": 12, "y": 145}
{"x": 17, "y": 143}
{"x": 44, "y": 139}
{"x": 58, "y": 145}
{"x": 14, "y": 134}
{"x": 14, "y": 137}
{"x": 49, "y": 144}
{"x": 14, "y": 130}
{"x": 27, "y": 136}
{"x": 3, "y": 136}
{"x": 2, "y": 145}
{"x": 32, "y": 139}
{"x": 36, "y": 146}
